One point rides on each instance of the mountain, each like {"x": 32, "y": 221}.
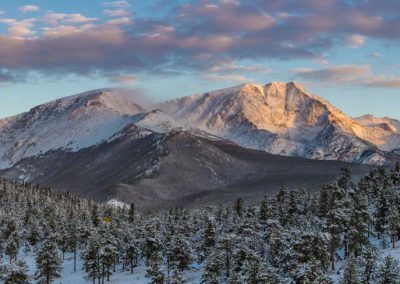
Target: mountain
{"x": 383, "y": 132}
{"x": 71, "y": 123}
{"x": 283, "y": 118}
{"x": 203, "y": 149}
{"x": 177, "y": 168}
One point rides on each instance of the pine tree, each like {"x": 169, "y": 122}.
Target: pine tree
{"x": 132, "y": 253}
{"x": 154, "y": 268}
{"x": 389, "y": 271}
{"x": 239, "y": 206}
{"x": 209, "y": 238}
{"x": 351, "y": 273}
{"x": 132, "y": 211}
{"x": 368, "y": 262}
{"x": 95, "y": 216}
{"x": 264, "y": 211}
{"x": 34, "y": 233}
{"x": 177, "y": 277}
{"x": 12, "y": 246}
{"x": 179, "y": 253}
{"x": 48, "y": 261}
{"x": 91, "y": 259}
{"x": 14, "y": 273}
{"x": 153, "y": 258}
{"x": 212, "y": 270}
{"x": 358, "y": 225}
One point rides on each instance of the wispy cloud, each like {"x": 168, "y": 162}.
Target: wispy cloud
{"x": 117, "y": 13}
{"x": 29, "y": 8}
{"x": 227, "y": 77}
{"x": 118, "y": 4}
{"x": 127, "y": 79}
{"x": 361, "y": 75}
{"x": 355, "y": 41}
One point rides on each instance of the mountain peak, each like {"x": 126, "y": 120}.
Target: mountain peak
{"x": 285, "y": 85}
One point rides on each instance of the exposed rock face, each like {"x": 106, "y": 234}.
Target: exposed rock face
{"x": 282, "y": 118}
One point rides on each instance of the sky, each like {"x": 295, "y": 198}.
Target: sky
{"x": 345, "y": 51}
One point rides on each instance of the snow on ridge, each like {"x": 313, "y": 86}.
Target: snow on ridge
{"x": 116, "y": 203}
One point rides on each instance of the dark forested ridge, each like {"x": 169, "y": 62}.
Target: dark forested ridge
{"x": 174, "y": 170}
{"x": 345, "y": 233}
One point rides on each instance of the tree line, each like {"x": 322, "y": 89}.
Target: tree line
{"x": 289, "y": 237}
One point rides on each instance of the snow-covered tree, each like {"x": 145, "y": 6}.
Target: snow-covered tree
{"x": 48, "y": 261}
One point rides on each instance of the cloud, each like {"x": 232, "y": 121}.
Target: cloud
{"x": 7, "y": 77}
{"x": 29, "y": 8}
{"x": 355, "y": 41}
{"x": 77, "y": 19}
{"x": 197, "y": 36}
{"x": 227, "y": 77}
{"x": 22, "y": 28}
{"x": 231, "y": 67}
{"x": 335, "y": 74}
{"x": 120, "y": 21}
{"x": 376, "y": 55}
{"x": 124, "y": 78}
{"x": 117, "y": 13}
{"x": 54, "y": 19}
{"x": 361, "y": 75}
{"x": 118, "y": 4}
{"x": 383, "y": 82}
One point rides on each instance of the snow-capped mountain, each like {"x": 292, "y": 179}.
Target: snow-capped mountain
{"x": 73, "y": 123}
{"x": 383, "y": 132}
{"x": 282, "y": 118}
{"x": 104, "y": 145}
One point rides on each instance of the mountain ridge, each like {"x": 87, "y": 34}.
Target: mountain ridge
{"x": 281, "y": 118}
{"x": 278, "y": 117}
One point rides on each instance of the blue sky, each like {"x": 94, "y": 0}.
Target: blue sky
{"x": 346, "y": 51}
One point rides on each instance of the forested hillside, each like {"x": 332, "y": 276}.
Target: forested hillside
{"x": 345, "y": 233}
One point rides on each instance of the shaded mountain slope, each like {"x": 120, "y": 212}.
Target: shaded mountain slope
{"x": 173, "y": 169}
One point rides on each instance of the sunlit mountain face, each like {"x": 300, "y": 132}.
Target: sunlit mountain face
{"x": 346, "y": 51}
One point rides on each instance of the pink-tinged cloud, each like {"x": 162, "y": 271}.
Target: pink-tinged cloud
{"x": 29, "y": 8}
{"x": 355, "y": 41}
{"x": 197, "y": 36}
{"x": 361, "y": 75}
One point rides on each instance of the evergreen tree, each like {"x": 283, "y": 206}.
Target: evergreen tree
{"x": 91, "y": 259}
{"x": 48, "y": 261}
{"x": 239, "y": 206}
{"x": 132, "y": 211}
{"x": 351, "y": 273}
{"x": 179, "y": 253}
{"x": 368, "y": 263}
{"x": 14, "y": 273}
{"x": 12, "y": 246}
{"x": 389, "y": 271}
{"x": 212, "y": 270}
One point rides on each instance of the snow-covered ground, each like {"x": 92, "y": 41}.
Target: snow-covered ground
{"x": 337, "y": 275}
{"x": 193, "y": 276}
{"x": 69, "y": 276}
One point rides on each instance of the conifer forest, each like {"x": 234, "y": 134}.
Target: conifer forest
{"x": 347, "y": 232}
